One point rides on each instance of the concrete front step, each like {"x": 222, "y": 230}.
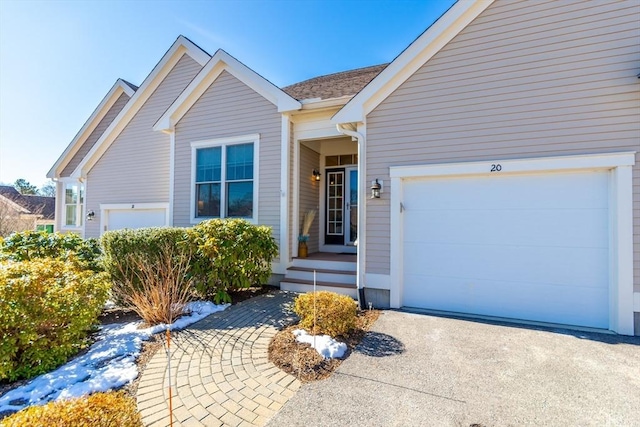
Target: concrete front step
{"x": 304, "y": 286}
{"x": 322, "y": 275}
{"x": 320, "y": 264}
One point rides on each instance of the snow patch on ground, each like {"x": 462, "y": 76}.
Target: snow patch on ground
{"x": 110, "y": 363}
{"x": 324, "y": 344}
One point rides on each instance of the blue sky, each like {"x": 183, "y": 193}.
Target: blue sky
{"x": 59, "y": 58}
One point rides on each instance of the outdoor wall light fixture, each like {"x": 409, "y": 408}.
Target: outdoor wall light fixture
{"x": 376, "y": 188}
{"x": 316, "y": 174}
{"x": 91, "y": 215}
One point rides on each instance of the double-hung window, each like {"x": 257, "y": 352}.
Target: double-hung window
{"x": 224, "y": 175}
{"x": 73, "y": 205}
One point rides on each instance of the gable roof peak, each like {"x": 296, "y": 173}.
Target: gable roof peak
{"x": 119, "y": 87}
{"x": 219, "y": 62}
{"x": 180, "y": 47}
{"x": 186, "y": 41}
{"x": 131, "y": 85}
{"x": 421, "y": 50}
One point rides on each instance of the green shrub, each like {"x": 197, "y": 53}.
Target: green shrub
{"x": 124, "y": 251}
{"x": 47, "y": 308}
{"x": 223, "y": 255}
{"x": 29, "y": 245}
{"x": 113, "y": 409}
{"x": 335, "y": 314}
{"x": 230, "y": 254}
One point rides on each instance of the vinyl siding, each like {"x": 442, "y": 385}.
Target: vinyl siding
{"x": 229, "y": 108}
{"x": 525, "y": 79}
{"x": 309, "y": 194}
{"x": 135, "y": 168}
{"x": 95, "y": 134}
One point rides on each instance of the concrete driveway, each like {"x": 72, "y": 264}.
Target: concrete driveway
{"x": 421, "y": 370}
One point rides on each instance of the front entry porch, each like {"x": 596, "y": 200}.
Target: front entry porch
{"x": 335, "y": 272}
{"x": 325, "y": 180}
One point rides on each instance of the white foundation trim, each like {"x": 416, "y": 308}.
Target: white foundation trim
{"x": 378, "y": 281}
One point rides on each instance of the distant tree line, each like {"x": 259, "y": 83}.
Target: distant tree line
{"x": 25, "y": 187}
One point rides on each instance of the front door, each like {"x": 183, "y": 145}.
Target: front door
{"x": 341, "y": 227}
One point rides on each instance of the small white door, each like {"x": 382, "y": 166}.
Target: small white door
{"x": 531, "y": 247}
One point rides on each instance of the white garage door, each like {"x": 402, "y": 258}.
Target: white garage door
{"x": 135, "y": 218}
{"x": 531, "y": 247}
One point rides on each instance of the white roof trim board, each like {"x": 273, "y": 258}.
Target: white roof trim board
{"x": 406, "y": 64}
{"x": 181, "y": 46}
{"x": 119, "y": 87}
{"x": 219, "y": 62}
{"x": 411, "y": 59}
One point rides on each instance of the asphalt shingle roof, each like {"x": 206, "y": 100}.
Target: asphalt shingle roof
{"x": 40, "y": 205}
{"x": 131, "y": 85}
{"x": 334, "y": 85}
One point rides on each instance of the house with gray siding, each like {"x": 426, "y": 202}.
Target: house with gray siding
{"x": 22, "y": 212}
{"x": 491, "y": 169}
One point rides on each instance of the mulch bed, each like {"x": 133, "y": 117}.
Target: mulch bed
{"x": 303, "y": 361}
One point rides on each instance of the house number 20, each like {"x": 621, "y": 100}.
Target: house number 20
{"x": 496, "y": 168}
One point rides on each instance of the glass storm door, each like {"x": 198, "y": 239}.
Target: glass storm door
{"x": 351, "y": 225}
{"x": 334, "y": 227}
{"x": 341, "y": 226}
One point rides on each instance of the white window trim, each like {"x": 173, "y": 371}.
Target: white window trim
{"x": 105, "y": 208}
{"x": 79, "y": 212}
{"x": 224, "y": 142}
{"x": 621, "y": 295}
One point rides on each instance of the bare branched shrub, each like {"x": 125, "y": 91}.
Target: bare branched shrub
{"x": 160, "y": 286}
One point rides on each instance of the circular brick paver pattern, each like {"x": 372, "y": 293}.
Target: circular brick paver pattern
{"x": 221, "y": 374}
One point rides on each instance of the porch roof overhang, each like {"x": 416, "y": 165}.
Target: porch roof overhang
{"x": 319, "y": 104}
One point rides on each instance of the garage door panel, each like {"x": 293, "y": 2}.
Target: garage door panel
{"x": 135, "y": 218}
{"x": 587, "y": 190}
{"x": 559, "y": 227}
{"x": 532, "y": 301}
{"x": 583, "y": 267}
{"x": 531, "y": 246}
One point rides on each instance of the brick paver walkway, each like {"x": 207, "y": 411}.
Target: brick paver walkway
{"x": 220, "y": 369}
